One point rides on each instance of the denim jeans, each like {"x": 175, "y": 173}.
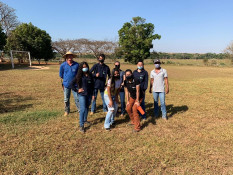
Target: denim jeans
{"x": 93, "y": 105}
{"x": 122, "y": 97}
{"x": 109, "y": 119}
{"x": 67, "y": 92}
{"x": 161, "y": 96}
{"x": 84, "y": 101}
{"x": 144, "y": 108}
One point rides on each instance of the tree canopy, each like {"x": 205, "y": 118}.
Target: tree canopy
{"x": 28, "y": 37}
{"x": 135, "y": 40}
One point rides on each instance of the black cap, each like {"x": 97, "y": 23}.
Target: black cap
{"x": 157, "y": 61}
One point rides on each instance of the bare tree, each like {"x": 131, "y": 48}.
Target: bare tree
{"x": 229, "y": 49}
{"x": 98, "y": 47}
{"x": 63, "y": 46}
{"x": 8, "y": 18}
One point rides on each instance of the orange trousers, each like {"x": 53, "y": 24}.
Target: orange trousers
{"x": 131, "y": 109}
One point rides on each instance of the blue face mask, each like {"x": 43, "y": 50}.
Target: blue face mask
{"x": 85, "y": 69}
{"x": 140, "y": 68}
{"x": 157, "y": 66}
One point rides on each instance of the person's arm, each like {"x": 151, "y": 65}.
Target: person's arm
{"x": 93, "y": 72}
{"x": 146, "y": 82}
{"x": 166, "y": 84}
{"x": 137, "y": 95}
{"x": 61, "y": 71}
{"x": 151, "y": 84}
{"x": 108, "y": 72}
{"x": 127, "y": 94}
{"x": 109, "y": 96}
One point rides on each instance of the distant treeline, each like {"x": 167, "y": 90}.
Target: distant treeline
{"x": 163, "y": 55}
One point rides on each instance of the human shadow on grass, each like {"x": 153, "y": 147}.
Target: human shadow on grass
{"x": 10, "y": 102}
{"x": 171, "y": 110}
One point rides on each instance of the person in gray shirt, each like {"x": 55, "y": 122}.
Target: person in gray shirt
{"x": 158, "y": 81}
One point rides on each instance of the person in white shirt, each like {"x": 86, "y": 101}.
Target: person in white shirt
{"x": 111, "y": 98}
{"x": 159, "y": 80}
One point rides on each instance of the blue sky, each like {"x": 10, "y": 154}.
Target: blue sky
{"x": 191, "y": 26}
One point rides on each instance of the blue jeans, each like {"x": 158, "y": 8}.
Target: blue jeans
{"x": 144, "y": 108}
{"x": 161, "y": 96}
{"x": 122, "y": 97}
{"x": 93, "y": 105}
{"x": 67, "y": 92}
{"x": 84, "y": 101}
{"x": 109, "y": 119}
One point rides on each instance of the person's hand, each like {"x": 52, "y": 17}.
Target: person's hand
{"x": 93, "y": 97}
{"x": 150, "y": 91}
{"x": 110, "y": 103}
{"x": 80, "y": 90}
{"x": 167, "y": 91}
{"x": 97, "y": 75}
{"x": 127, "y": 103}
{"x": 137, "y": 103}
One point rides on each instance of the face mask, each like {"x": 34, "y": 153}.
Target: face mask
{"x": 157, "y": 66}
{"x": 140, "y": 67}
{"x": 85, "y": 69}
{"x": 117, "y": 66}
{"x": 129, "y": 77}
{"x": 101, "y": 61}
{"x": 117, "y": 77}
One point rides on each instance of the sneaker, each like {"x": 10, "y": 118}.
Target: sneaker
{"x": 122, "y": 115}
{"x": 91, "y": 113}
{"x": 66, "y": 113}
{"x": 81, "y": 129}
{"x": 107, "y": 129}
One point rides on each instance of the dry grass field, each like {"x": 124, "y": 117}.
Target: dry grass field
{"x": 35, "y": 138}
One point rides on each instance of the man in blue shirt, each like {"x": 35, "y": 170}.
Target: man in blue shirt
{"x": 142, "y": 75}
{"x": 68, "y": 71}
{"x": 100, "y": 71}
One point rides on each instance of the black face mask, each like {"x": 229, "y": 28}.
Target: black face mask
{"x": 129, "y": 77}
{"x": 101, "y": 61}
{"x": 117, "y": 77}
{"x": 117, "y": 66}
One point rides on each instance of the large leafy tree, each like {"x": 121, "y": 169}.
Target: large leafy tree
{"x": 28, "y": 37}
{"x": 2, "y": 39}
{"x": 135, "y": 40}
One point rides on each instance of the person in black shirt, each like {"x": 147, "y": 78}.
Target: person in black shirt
{"x": 142, "y": 75}
{"x": 134, "y": 96}
{"x": 100, "y": 71}
{"x": 85, "y": 85}
{"x": 122, "y": 92}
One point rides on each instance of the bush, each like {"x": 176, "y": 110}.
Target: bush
{"x": 206, "y": 61}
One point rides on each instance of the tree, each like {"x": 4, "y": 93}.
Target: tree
{"x": 8, "y": 19}
{"x": 2, "y": 39}
{"x": 27, "y": 37}
{"x": 229, "y": 49}
{"x": 135, "y": 39}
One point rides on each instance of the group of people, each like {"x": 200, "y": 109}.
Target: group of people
{"x": 85, "y": 83}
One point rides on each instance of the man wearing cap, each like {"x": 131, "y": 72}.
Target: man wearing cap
{"x": 142, "y": 76}
{"x": 68, "y": 71}
{"x": 158, "y": 79}
{"x": 100, "y": 71}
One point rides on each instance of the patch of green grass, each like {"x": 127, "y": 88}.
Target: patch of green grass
{"x": 29, "y": 117}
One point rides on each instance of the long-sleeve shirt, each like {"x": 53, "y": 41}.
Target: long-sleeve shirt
{"x": 142, "y": 77}
{"x": 68, "y": 72}
{"x": 87, "y": 84}
{"x": 103, "y": 71}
